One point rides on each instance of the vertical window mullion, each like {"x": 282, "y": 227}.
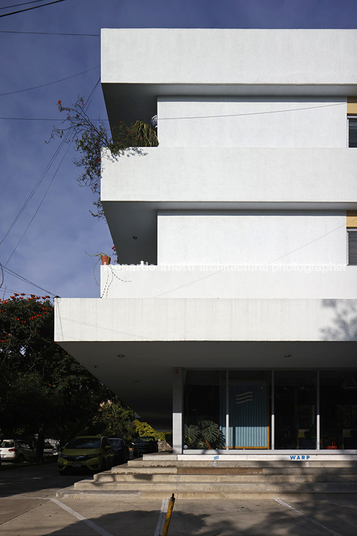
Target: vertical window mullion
{"x": 318, "y": 421}
{"x": 272, "y": 412}
{"x": 227, "y": 409}
{"x": 352, "y": 131}
{"x": 352, "y": 246}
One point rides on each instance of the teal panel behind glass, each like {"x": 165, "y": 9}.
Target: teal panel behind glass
{"x": 248, "y": 420}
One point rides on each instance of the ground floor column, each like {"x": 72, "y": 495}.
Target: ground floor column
{"x": 177, "y": 410}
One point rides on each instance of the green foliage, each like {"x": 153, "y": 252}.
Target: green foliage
{"x": 90, "y": 138}
{"x": 115, "y": 419}
{"x": 144, "y": 429}
{"x": 42, "y": 388}
{"x": 204, "y": 435}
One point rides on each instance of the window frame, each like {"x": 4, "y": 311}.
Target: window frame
{"x": 354, "y": 119}
{"x": 351, "y": 230}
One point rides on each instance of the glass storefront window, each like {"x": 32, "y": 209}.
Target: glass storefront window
{"x": 239, "y": 415}
{"x": 295, "y": 409}
{"x": 204, "y": 410}
{"x": 338, "y": 409}
{"x": 249, "y": 409}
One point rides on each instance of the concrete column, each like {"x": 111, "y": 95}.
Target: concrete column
{"x": 177, "y": 410}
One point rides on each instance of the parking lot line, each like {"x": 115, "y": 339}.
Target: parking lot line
{"x": 307, "y": 517}
{"x": 78, "y": 516}
{"x": 162, "y": 517}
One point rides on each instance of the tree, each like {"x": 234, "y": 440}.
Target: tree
{"x": 145, "y": 429}
{"x": 43, "y": 390}
{"x": 115, "y": 419}
{"x": 89, "y": 138}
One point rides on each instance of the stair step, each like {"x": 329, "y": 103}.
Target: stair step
{"x": 224, "y": 487}
{"x": 104, "y": 478}
{"x": 206, "y": 479}
{"x": 140, "y": 462}
{"x": 297, "y": 469}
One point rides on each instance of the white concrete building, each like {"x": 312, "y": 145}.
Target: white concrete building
{"x": 235, "y": 300}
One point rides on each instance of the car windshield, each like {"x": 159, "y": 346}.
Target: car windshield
{"x": 84, "y": 443}
{"x": 116, "y": 443}
{"x": 7, "y": 444}
{"x": 144, "y": 439}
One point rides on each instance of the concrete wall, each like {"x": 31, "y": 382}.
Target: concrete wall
{"x": 252, "y": 122}
{"x": 202, "y": 320}
{"x": 245, "y": 238}
{"x": 209, "y": 56}
{"x": 330, "y": 281}
{"x": 232, "y": 175}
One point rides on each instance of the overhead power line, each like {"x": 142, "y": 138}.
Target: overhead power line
{"x": 63, "y": 142}
{"x": 41, "y": 119}
{"x": 29, "y": 8}
{"x": 50, "y": 33}
{"x": 25, "y": 280}
{"x": 22, "y": 4}
{"x": 261, "y": 112}
{"x": 268, "y": 112}
{"x": 48, "y": 83}
{"x": 33, "y": 190}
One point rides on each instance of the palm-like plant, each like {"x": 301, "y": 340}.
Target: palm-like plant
{"x": 205, "y": 434}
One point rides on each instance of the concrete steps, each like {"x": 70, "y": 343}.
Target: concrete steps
{"x": 156, "y": 477}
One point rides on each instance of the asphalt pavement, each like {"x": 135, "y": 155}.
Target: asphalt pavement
{"x": 29, "y": 507}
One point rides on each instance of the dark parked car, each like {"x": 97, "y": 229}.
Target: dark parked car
{"x": 144, "y": 444}
{"x": 121, "y": 450}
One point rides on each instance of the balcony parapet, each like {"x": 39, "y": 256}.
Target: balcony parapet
{"x": 289, "y": 281}
{"x": 165, "y": 320}
{"x": 138, "y": 184}
{"x": 140, "y": 64}
{"x": 240, "y": 177}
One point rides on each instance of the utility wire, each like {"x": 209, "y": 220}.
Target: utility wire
{"x": 34, "y": 119}
{"x": 22, "y": 278}
{"x": 189, "y": 117}
{"x": 23, "y": 4}
{"x": 42, "y": 200}
{"x": 253, "y": 113}
{"x": 29, "y": 8}
{"x": 50, "y": 33}
{"x": 63, "y": 141}
{"x": 33, "y": 191}
{"x": 2, "y": 275}
{"x": 42, "y": 119}
{"x": 48, "y": 83}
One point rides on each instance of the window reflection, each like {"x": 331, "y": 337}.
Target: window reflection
{"x": 338, "y": 403}
{"x": 295, "y": 410}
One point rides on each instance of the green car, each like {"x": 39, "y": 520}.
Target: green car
{"x": 93, "y": 453}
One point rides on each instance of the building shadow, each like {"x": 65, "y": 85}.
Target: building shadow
{"x": 344, "y": 324}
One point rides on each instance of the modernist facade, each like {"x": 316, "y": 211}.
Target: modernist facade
{"x": 235, "y": 300}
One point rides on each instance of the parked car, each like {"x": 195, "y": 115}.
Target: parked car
{"x": 121, "y": 450}
{"x": 93, "y": 453}
{"x": 56, "y": 450}
{"x": 48, "y": 450}
{"x": 16, "y": 450}
{"x": 144, "y": 444}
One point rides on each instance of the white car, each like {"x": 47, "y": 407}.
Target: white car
{"x": 16, "y": 450}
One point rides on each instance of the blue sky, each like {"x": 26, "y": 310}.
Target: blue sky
{"x": 46, "y": 229}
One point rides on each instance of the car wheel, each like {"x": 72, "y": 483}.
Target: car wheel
{"x": 20, "y": 459}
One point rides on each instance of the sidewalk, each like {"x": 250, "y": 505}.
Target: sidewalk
{"x": 126, "y": 516}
